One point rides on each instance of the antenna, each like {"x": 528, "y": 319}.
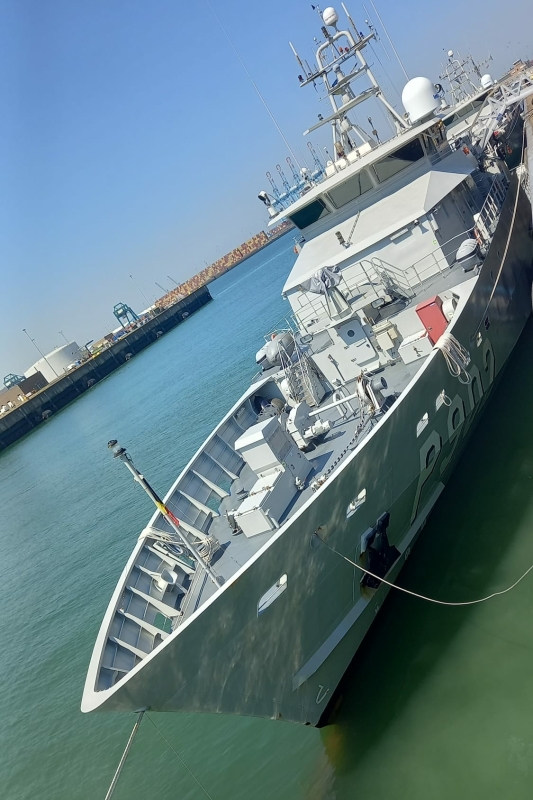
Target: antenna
{"x": 372, "y": 27}
{"x": 390, "y": 40}
{"x": 352, "y": 23}
{"x": 378, "y": 37}
{"x": 390, "y": 80}
{"x": 297, "y": 57}
{"x": 245, "y": 68}
{"x": 122, "y": 455}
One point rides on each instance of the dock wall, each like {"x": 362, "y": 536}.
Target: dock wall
{"x": 55, "y": 396}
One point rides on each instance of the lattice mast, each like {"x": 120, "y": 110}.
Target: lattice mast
{"x": 340, "y": 62}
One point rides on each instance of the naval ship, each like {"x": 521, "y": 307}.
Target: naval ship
{"x": 411, "y": 288}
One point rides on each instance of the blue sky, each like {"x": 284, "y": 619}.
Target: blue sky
{"x": 132, "y": 142}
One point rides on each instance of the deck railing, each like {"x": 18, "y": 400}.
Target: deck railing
{"x": 487, "y": 219}
{"x": 311, "y": 310}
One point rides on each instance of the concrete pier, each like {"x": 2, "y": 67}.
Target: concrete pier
{"x": 56, "y": 395}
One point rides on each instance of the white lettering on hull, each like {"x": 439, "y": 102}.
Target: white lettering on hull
{"x": 458, "y": 423}
{"x": 321, "y": 695}
{"x": 433, "y": 454}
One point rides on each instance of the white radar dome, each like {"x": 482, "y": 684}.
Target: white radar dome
{"x": 450, "y": 53}
{"x": 420, "y": 98}
{"x": 486, "y": 81}
{"x": 330, "y": 17}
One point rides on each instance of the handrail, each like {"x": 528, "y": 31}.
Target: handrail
{"x": 369, "y": 271}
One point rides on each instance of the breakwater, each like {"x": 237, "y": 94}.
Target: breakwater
{"x": 56, "y": 395}
{"x": 227, "y": 262}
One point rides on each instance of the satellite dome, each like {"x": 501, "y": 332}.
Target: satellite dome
{"x": 486, "y": 81}
{"x": 420, "y": 99}
{"x": 450, "y": 53}
{"x": 330, "y": 17}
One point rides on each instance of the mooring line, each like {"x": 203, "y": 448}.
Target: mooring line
{"x": 125, "y": 754}
{"x": 122, "y": 761}
{"x": 421, "y": 596}
{"x": 191, "y": 773}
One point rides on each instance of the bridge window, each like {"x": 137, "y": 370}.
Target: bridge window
{"x": 400, "y": 159}
{"x": 465, "y": 111}
{"x": 351, "y": 189}
{"x": 309, "y": 214}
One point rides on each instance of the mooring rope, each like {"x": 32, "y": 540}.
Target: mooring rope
{"x": 124, "y": 756}
{"x": 421, "y": 596}
{"x": 122, "y": 761}
{"x": 191, "y": 773}
{"x": 456, "y": 356}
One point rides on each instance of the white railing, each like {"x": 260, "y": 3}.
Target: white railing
{"x": 376, "y": 272}
{"x": 441, "y": 258}
{"x": 487, "y": 219}
{"x": 311, "y": 308}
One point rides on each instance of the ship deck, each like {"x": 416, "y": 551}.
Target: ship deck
{"x": 162, "y": 587}
{"x": 326, "y": 455}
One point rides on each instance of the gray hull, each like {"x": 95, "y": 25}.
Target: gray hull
{"x": 287, "y": 662}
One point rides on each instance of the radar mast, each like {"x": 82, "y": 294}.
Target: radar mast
{"x": 341, "y": 62}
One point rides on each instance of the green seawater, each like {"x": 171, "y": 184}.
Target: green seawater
{"x": 439, "y": 701}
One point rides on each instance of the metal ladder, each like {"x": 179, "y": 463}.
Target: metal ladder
{"x": 298, "y": 375}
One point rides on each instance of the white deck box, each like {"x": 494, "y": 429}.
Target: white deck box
{"x": 266, "y": 446}
{"x": 268, "y": 500}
